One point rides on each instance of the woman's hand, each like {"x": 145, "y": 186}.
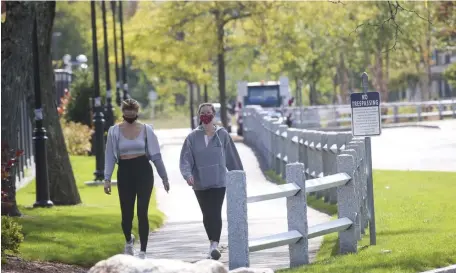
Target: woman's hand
{"x": 190, "y": 181}
{"x": 107, "y": 187}
{"x": 166, "y": 185}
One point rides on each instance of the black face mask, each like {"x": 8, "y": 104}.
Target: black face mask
{"x": 130, "y": 120}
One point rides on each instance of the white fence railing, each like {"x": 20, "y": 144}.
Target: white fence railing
{"x": 336, "y": 116}
{"x": 311, "y": 162}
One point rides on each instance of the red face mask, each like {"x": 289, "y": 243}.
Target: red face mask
{"x": 206, "y": 119}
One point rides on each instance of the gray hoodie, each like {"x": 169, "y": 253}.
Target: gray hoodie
{"x": 208, "y": 165}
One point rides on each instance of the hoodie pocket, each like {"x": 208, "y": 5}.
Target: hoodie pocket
{"x": 209, "y": 175}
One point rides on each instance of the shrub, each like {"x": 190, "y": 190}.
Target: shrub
{"x": 77, "y": 137}
{"x": 78, "y": 108}
{"x": 11, "y": 236}
{"x": 9, "y": 159}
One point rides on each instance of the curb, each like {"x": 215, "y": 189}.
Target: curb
{"x": 448, "y": 269}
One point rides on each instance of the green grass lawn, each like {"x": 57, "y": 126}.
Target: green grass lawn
{"x": 81, "y": 234}
{"x": 416, "y": 227}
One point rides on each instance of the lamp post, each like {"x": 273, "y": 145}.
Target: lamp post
{"x": 205, "y": 88}
{"x": 98, "y": 115}
{"x": 39, "y": 134}
{"x": 124, "y": 69}
{"x": 108, "y": 108}
{"x": 118, "y": 98}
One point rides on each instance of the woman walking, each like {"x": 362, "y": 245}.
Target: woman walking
{"x": 207, "y": 153}
{"x": 131, "y": 145}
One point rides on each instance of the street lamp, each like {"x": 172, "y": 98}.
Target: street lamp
{"x": 39, "y": 134}
{"x": 98, "y": 115}
{"x": 124, "y": 69}
{"x": 205, "y": 88}
{"x": 118, "y": 98}
{"x": 108, "y": 109}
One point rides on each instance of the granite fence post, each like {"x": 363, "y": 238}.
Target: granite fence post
{"x": 293, "y": 154}
{"x": 262, "y": 135}
{"x": 346, "y": 205}
{"x": 329, "y": 161}
{"x": 303, "y": 147}
{"x": 319, "y": 159}
{"x": 278, "y": 156}
{"x": 310, "y": 145}
{"x": 357, "y": 186}
{"x": 357, "y": 143}
{"x": 274, "y": 145}
{"x": 238, "y": 230}
{"x": 283, "y": 149}
{"x": 297, "y": 215}
{"x": 268, "y": 137}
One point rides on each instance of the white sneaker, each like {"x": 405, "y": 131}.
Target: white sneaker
{"x": 142, "y": 255}
{"x": 130, "y": 246}
{"x": 214, "y": 253}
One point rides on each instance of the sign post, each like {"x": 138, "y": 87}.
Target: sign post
{"x": 367, "y": 122}
{"x": 152, "y": 98}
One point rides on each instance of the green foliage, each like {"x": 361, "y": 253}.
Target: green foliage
{"x": 77, "y": 137}
{"x": 173, "y": 43}
{"x": 450, "y": 75}
{"x": 82, "y": 90}
{"x": 11, "y": 236}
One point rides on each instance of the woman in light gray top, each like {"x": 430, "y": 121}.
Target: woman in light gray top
{"x": 132, "y": 145}
{"x": 207, "y": 153}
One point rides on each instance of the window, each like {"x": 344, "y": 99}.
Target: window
{"x": 263, "y": 93}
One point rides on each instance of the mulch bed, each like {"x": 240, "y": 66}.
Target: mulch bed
{"x": 18, "y": 265}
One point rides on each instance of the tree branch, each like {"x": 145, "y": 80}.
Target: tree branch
{"x": 394, "y": 8}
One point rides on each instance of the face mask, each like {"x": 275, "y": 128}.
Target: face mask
{"x": 206, "y": 119}
{"x": 130, "y": 120}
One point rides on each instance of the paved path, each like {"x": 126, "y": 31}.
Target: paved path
{"x": 183, "y": 236}
{"x": 416, "y": 148}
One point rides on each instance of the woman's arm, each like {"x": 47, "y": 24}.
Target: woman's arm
{"x": 153, "y": 148}
{"x": 233, "y": 161}
{"x": 110, "y": 159}
{"x": 186, "y": 160}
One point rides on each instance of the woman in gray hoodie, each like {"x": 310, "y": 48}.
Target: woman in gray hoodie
{"x": 207, "y": 153}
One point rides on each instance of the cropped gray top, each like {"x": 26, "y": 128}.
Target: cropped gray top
{"x": 132, "y": 146}
{"x": 117, "y": 145}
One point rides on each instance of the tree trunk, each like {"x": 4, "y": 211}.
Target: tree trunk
{"x": 16, "y": 64}
{"x": 221, "y": 67}
{"x": 18, "y": 69}
{"x": 198, "y": 94}
{"x": 343, "y": 79}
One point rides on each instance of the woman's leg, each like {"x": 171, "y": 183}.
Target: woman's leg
{"x": 215, "y": 226}
{"x": 203, "y": 198}
{"x": 127, "y": 196}
{"x": 144, "y": 186}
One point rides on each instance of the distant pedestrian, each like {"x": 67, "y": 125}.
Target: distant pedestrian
{"x": 132, "y": 145}
{"x": 207, "y": 153}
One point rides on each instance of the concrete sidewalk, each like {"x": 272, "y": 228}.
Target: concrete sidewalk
{"x": 183, "y": 236}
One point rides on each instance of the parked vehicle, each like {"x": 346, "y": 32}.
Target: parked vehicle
{"x": 270, "y": 94}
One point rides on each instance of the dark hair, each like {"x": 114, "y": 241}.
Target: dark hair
{"x": 130, "y": 104}
{"x": 205, "y": 104}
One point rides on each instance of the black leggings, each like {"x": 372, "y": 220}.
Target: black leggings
{"x": 211, "y": 201}
{"x": 135, "y": 178}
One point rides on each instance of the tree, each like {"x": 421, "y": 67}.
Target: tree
{"x": 186, "y": 38}
{"x": 17, "y": 85}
